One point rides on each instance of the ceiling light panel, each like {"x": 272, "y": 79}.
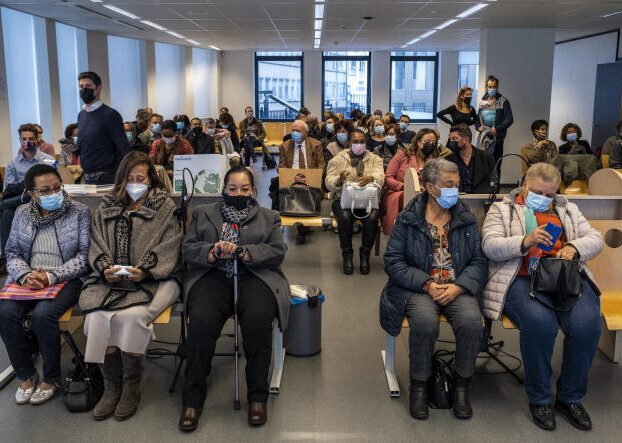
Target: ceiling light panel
{"x": 153, "y": 25}
{"x": 121, "y": 11}
{"x": 472, "y": 10}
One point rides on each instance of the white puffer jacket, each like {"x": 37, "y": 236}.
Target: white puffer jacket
{"x": 502, "y": 236}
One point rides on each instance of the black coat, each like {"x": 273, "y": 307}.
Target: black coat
{"x": 483, "y": 165}
{"x": 201, "y": 144}
{"x": 409, "y": 256}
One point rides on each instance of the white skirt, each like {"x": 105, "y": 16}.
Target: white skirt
{"x": 129, "y": 329}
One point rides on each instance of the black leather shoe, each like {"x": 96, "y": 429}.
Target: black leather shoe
{"x": 419, "y": 402}
{"x": 576, "y": 414}
{"x": 462, "y": 406}
{"x": 189, "y": 419}
{"x": 257, "y": 413}
{"x": 543, "y": 416}
{"x": 364, "y": 254}
{"x": 301, "y": 232}
{"x": 348, "y": 263}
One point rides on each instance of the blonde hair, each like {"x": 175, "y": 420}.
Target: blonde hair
{"x": 545, "y": 171}
{"x": 462, "y": 91}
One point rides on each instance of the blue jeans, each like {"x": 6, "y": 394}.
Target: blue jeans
{"x": 45, "y": 315}
{"x": 538, "y": 328}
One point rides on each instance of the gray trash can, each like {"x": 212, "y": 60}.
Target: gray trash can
{"x": 303, "y": 336}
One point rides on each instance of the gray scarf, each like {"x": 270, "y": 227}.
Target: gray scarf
{"x": 40, "y": 220}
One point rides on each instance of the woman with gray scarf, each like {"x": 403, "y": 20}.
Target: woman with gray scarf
{"x": 135, "y": 244}
{"x": 236, "y": 225}
{"x": 48, "y": 245}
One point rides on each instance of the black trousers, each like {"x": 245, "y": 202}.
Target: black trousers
{"x": 210, "y": 304}
{"x": 346, "y": 219}
{"x": 498, "y": 153}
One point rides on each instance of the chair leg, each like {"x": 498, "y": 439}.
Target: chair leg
{"x": 6, "y": 376}
{"x": 278, "y": 353}
{"x": 388, "y": 358}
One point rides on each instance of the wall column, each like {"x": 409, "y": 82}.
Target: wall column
{"x": 97, "y": 50}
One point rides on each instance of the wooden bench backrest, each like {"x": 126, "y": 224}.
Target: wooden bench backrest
{"x": 287, "y": 175}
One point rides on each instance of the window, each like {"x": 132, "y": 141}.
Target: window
{"x": 414, "y": 85}
{"x": 169, "y": 79}
{"x": 72, "y": 60}
{"x": 127, "y": 91}
{"x": 205, "y": 82}
{"x": 468, "y": 65}
{"x": 278, "y": 85}
{"x": 345, "y": 79}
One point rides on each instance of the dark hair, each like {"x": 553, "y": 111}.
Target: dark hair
{"x": 619, "y": 126}
{"x": 37, "y": 171}
{"x": 69, "y": 130}
{"x": 343, "y": 124}
{"x": 143, "y": 115}
{"x": 537, "y": 124}
{"x": 356, "y": 131}
{"x": 240, "y": 170}
{"x": 423, "y": 132}
{"x": 155, "y": 114}
{"x": 463, "y": 130}
{"x": 181, "y": 118}
{"x": 394, "y": 127}
{"x": 90, "y": 75}
{"x": 304, "y": 111}
{"x": 196, "y": 118}
{"x": 405, "y": 116}
{"x": 210, "y": 121}
{"x": 227, "y": 119}
{"x": 168, "y": 124}
{"x": 28, "y": 127}
{"x": 568, "y": 126}
{"x": 391, "y": 116}
{"x": 129, "y": 162}
{"x": 492, "y": 78}
{"x": 130, "y": 123}
{"x": 355, "y": 114}
{"x": 225, "y": 108}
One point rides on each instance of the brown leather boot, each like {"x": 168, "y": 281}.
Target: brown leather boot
{"x": 113, "y": 378}
{"x": 257, "y": 413}
{"x": 189, "y": 419}
{"x": 130, "y": 392}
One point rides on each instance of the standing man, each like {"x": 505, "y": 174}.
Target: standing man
{"x": 474, "y": 165}
{"x": 101, "y": 137}
{"x": 495, "y": 115}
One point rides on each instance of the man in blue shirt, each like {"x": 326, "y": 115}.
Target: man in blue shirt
{"x": 13, "y": 196}
{"x": 101, "y": 137}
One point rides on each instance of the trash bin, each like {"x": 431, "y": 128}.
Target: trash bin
{"x": 303, "y": 336}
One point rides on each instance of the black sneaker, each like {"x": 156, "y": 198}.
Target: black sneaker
{"x": 543, "y": 416}
{"x": 576, "y": 414}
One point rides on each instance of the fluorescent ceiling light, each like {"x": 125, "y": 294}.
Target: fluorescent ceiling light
{"x": 193, "y": 42}
{"x": 414, "y": 40}
{"x": 153, "y": 25}
{"x": 447, "y": 23}
{"x": 214, "y": 48}
{"x": 318, "y": 34}
{"x": 472, "y": 10}
{"x": 174, "y": 34}
{"x": 611, "y": 14}
{"x": 121, "y": 11}
{"x": 318, "y": 25}
{"x": 427, "y": 34}
{"x": 96, "y": 1}
{"x": 319, "y": 11}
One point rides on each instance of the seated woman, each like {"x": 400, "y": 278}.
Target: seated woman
{"x": 571, "y": 135}
{"x": 540, "y": 149}
{"x": 342, "y": 139}
{"x": 512, "y": 231}
{"x": 48, "y": 245}
{"x": 424, "y": 147}
{"x": 135, "y": 226}
{"x": 390, "y": 146}
{"x": 375, "y": 137}
{"x": 358, "y": 165}
{"x": 236, "y": 225}
{"x": 164, "y": 149}
{"x": 435, "y": 265}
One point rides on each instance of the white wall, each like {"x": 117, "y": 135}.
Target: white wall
{"x": 380, "y": 80}
{"x": 205, "y": 83}
{"x": 126, "y": 79}
{"x": 238, "y": 81}
{"x": 170, "y": 80}
{"x": 312, "y": 81}
{"x": 72, "y": 59}
{"x": 574, "y": 81}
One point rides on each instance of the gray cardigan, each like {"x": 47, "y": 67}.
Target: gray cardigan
{"x": 260, "y": 233}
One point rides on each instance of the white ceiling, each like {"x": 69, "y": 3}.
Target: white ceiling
{"x": 288, "y": 24}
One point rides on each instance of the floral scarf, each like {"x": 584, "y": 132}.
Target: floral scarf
{"x": 232, "y": 218}
{"x": 357, "y": 162}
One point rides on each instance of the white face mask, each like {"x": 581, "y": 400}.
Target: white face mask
{"x": 136, "y": 190}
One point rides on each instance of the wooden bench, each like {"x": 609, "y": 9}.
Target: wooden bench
{"x": 274, "y": 133}
{"x": 388, "y": 354}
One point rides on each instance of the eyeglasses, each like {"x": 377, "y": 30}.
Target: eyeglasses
{"x": 28, "y": 139}
{"x": 48, "y": 191}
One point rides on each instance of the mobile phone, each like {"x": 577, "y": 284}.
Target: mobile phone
{"x": 555, "y": 232}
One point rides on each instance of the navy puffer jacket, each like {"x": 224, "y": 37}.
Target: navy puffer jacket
{"x": 409, "y": 254}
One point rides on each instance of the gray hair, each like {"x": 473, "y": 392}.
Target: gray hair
{"x": 545, "y": 171}
{"x": 434, "y": 169}
{"x": 301, "y": 123}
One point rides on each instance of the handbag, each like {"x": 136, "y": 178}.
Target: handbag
{"x": 84, "y": 383}
{"x": 441, "y": 382}
{"x": 556, "y": 283}
{"x": 355, "y": 197}
{"x": 300, "y": 200}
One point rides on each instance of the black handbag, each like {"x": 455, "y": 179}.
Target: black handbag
{"x": 556, "y": 283}
{"x": 84, "y": 383}
{"x": 300, "y": 200}
{"x": 441, "y": 382}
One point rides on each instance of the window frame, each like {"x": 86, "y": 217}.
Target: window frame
{"x": 346, "y": 58}
{"x": 260, "y": 58}
{"x": 416, "y": 58}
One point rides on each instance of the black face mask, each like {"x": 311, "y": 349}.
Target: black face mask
{"x": 197, "y": 130}
{"x": 239, "y": 202}
{"x": 453, "y": 145}
{"x": 428, "y": 149}
{"x": 467, "y": 101}
{"x": 87, "y": 95}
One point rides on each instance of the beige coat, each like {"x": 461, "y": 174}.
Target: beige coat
{"x": 341, "y": 162}
{"x": 502, "y": 236}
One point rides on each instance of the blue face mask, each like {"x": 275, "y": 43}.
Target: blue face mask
{"x": 390, "y": 140}
{"x": 379, "y": 130}
{"x": 129, "y": 136}
{"x": 296, "y": 136}
{"x": 51, "y": 202}
{"x": 572, "y": 137}
{"x": 448, "y": 197}
{"x": 403, "y": 126}
{"x": 330, "y": 127}
{"x": 492, "y": 92}
{"x": 180, "y": 126}
{"x": 155, "y": 128}
{"x": 537, "y": 202}
{"x": 342, "y": 137}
